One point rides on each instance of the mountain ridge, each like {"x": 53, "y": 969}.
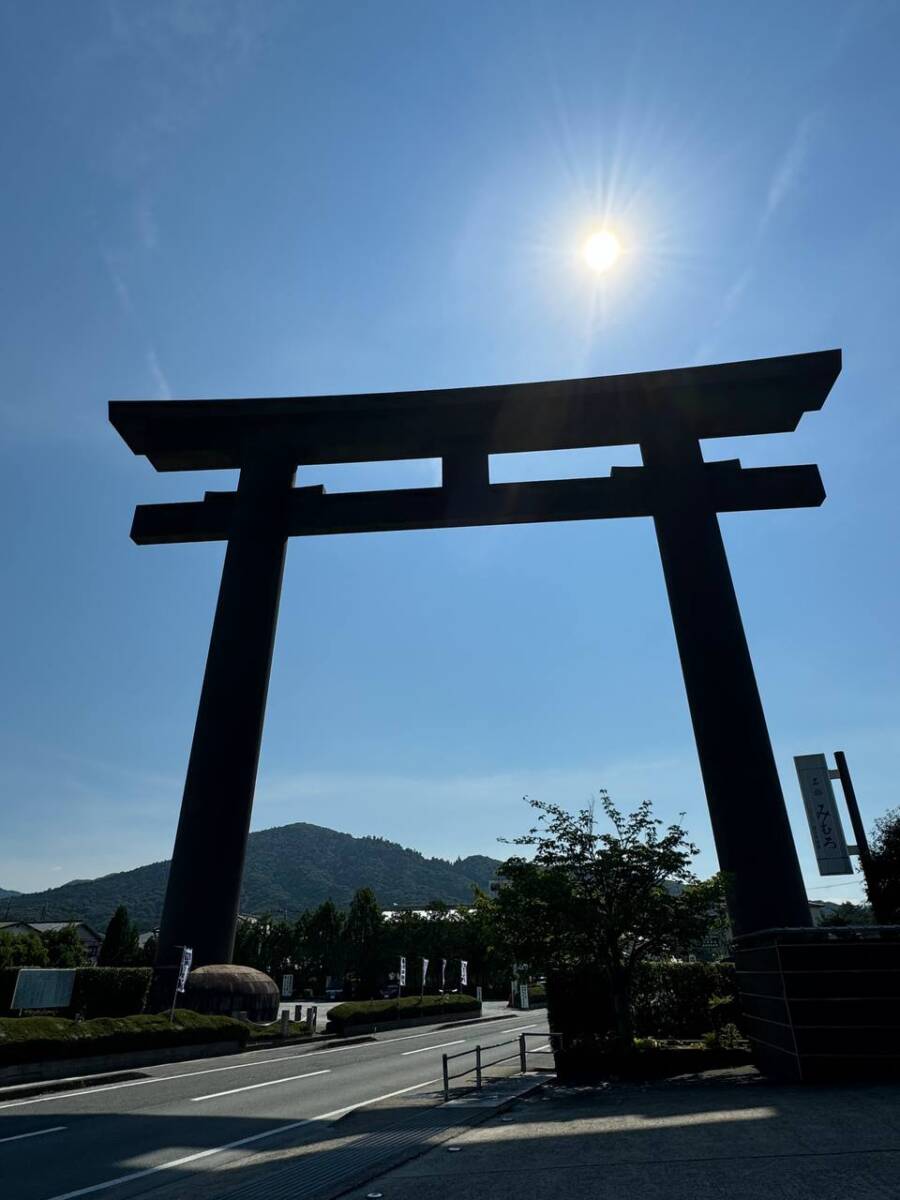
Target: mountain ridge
{"x": 288, "y": 868}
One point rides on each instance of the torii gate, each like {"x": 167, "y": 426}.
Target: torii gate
{"x": 666, "y": 413}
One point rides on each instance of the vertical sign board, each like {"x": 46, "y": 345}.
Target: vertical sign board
{"x": 463, "y": 972}
{"x": 822, "y": 814}
{"x": 187, "y": 957}
{"x": 402, "y": 976}
{"x": 287, "y": 986}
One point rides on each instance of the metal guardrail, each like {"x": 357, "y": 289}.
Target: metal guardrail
{"x": 480, "y": 1066}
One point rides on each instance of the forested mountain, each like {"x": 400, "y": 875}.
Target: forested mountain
{"x": 290, "y": 867}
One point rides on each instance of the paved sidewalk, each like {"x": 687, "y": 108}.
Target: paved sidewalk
{"x": 726, "y": 1135}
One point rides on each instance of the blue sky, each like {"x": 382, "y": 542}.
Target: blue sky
{"x": 229, "y": 199}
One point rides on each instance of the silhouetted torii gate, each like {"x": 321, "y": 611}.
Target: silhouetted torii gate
{"x": 665, "y": 412}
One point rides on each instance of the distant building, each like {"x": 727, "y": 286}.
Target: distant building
{"x": 88, "y": 936}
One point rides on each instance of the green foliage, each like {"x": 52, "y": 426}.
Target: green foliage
{"x": 682, "y": 999}
{"x": 293, "y": 867}
{"x": 383, "y": 1012}
{"x": 847, "y": 913}
{"x": 22, "y": 950}
{"x": 64, "y": 948}
{"x": 363, "y": 935}
{"x": 111, "y": 991}
{"x": 120, "y": 943}
{"x": 591, "y": 906}
{"x": 39, "y": 1039}
{"x": 883, "y": 872}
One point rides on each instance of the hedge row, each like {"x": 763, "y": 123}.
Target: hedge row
{"x": 382, "y": 1012}
{"x": 37, "y": 1039}
{"x": 111, "y": 991}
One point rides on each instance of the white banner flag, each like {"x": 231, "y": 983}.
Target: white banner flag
{"x": 424, "y": 972}
{"x": 463, "y": 972}
{"x": 187, "y": 956}
{"x": 402, "y": 971}
{"x": 443, "y": 973}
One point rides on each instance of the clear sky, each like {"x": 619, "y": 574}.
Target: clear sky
{"x": 236, "y": 199}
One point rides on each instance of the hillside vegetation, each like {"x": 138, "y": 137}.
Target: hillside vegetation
{"x": 290, "y": 867}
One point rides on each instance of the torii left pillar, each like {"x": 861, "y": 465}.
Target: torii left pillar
{"x": 204, "y": 887}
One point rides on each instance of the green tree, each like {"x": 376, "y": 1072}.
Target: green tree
{"x": 848, "y": 913}
{"x": 604, "y": 901}
{"x": 325, "y": 947}
{"x": 121, "y": 945}
{"x": 883, "y": 871}
{"x": 363, "y": 937}
{"x": 65, "y": 948}
{"x": 22, "y": 950}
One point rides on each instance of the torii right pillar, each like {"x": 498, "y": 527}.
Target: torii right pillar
{"x": 750, "y": 824}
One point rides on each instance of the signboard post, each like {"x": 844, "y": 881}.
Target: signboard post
{"x": 401, "y": 977}
{"x": 463, "y": 973}
{"x": 187, "y": 955}
{"x": 287, "y": 986}
{"x": 823, "y": 816}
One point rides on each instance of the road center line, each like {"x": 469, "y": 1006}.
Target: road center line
{"x": 250, "y": 1086}
{"x": 17, "y": 1137}
{"x": 439, "y": 1046}
{"x": 255, "y": 1137}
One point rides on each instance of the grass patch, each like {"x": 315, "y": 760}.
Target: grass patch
{"x": 41, "y": 1039}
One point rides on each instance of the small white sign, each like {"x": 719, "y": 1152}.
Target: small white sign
{"x": 287, "y": 986}
{"x": 823, "y": 816}
{"x": 523, "y": 996}
{"x": 463, "y": 972}
{"x": 402, "y": 977}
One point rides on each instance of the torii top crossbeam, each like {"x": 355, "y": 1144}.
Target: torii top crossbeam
{"x": 767, "y": 395}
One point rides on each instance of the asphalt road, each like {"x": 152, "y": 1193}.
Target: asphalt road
{"x": 133, "y": 1137}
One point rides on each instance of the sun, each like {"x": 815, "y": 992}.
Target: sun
{"x": 601, "y": 250}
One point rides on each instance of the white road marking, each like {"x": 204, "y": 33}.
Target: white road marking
{"x": 439, "y": 1046}
{"x": 35, "y": 1133}
{"x": 255, "y": 1137}
{"x": 250, "y": 1086}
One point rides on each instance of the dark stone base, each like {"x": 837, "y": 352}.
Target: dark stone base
{"x": 225, "y": 989}
{"x": 822, "y": 1005}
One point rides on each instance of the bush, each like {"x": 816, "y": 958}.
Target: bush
{"x": 111, "y": 991}
{"x": 39, "y": 1039}
{"x": 383, "y": 1012}
{"x": 676, "y": 999}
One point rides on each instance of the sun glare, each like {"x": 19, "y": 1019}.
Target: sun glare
{"x": 601, "y": 250}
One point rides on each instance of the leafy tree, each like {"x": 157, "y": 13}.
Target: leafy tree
{"x": 324, "y": 944}
{"x": 22, "y": 950}
{"x": 363, "y": 940}
{"x": 121, "y": 943}
{"x": 603, "y": 900}
{"x": 883, "y": 868}
{"x": 64, "y": 948}
{"x": 848, "y": 913}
